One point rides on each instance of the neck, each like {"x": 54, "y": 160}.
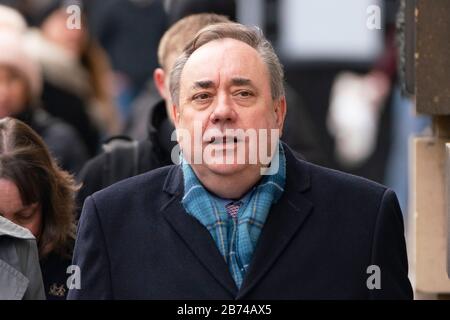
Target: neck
{"x": 228, "y": 186}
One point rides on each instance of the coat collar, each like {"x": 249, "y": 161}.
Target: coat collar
{"x": 195, "y": 236}
{"x": 8, "y": 228}
{"x": 284, "y": 220}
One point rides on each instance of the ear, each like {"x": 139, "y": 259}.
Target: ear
{"x": 280, "y": 112}
{"x": 159, "y": 78}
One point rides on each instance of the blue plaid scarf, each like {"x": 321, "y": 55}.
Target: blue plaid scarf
{"x": 235, "y": 238}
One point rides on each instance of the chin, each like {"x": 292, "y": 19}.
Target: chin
{"x": 226, "y": 169}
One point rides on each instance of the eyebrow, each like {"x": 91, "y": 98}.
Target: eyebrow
{"x": 241, "y": 81}
{"x": 207, "y": 84}
{"x": 203, "y": 84}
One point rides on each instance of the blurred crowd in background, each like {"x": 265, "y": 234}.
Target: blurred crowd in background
{"x": 78, "y": 88}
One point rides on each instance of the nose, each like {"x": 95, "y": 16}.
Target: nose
{"x": 223, "y": 111}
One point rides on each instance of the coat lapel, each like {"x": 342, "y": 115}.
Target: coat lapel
{"x": 195, "y": 236}
{"x": 284, "y": 221}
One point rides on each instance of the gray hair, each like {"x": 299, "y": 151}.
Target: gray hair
{"x": 250, "y": 35}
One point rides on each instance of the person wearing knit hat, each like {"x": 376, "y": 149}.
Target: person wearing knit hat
{"x": 13, "y": 55}
{"x": 20, "y": 90}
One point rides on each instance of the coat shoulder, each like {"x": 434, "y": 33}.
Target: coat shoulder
{"x": 327, "y": 182}
{"x": 344, "y": 181}
{"x": 342, "y": 191}
{"x": 146, "y": 185}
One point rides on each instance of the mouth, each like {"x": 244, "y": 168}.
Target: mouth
{"x": 223, "y": 140}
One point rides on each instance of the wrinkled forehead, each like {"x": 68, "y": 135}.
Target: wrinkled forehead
{"x": 222, "y": 60}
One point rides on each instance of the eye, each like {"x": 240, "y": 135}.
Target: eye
{"x": 201, "y": 96}
{"x": 244, "y": 94}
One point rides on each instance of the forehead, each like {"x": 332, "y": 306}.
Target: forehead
{"x": 221, "y": 60}
{"x": 9, "y": 196}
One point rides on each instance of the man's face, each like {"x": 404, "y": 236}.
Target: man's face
{"x": 226, "y": 85}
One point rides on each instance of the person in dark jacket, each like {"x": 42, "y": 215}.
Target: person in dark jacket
{"x": 36, "y": 194}
{"x": 211, "y": 228}
{"x": 125, "y": 158}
